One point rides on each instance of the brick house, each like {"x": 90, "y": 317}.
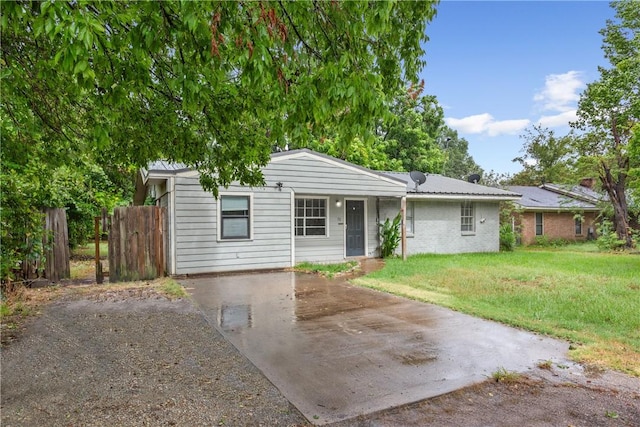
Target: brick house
{"x": 556, "y": 211}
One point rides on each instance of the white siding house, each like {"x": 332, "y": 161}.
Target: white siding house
{"x": 314, "y": 208}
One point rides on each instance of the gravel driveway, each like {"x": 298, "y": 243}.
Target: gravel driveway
{"x": 134, "y": 358}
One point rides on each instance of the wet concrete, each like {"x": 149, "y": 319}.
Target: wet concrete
{"x": 337, "y": 351}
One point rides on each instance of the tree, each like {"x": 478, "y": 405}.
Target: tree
{"x": 610, "y": 107}
{"x": 214, "y": 85}
{"x": 412, "y": 133}
{"x": 545, "y": 158}
{"x": 211, "y": 84}
{"x": 458, "y": 162}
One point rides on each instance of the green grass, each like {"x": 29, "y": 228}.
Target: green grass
{"x": 173, "y": 289}
{"x": 591, "y": 299}
{"x": 328, "y": 270}
{"x": 89, "y": 250}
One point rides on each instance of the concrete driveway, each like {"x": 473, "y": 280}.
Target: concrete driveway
{"x": 337, "y": 351}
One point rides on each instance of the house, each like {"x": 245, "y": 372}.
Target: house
{"x": 447, "y": 215}
{"x": 315, "y": 208}
{"x": 553, "y": 211}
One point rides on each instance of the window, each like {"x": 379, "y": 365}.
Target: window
{"x": 235, "y": 217}
{"x": 409, "y": 218}
{"x": 538, "y": 223}
{"x": 311, "y": 217}
{"x": 467, "y": 222}
{"x": 578, "y": 223}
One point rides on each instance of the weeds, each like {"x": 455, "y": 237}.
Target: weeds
{"x": 503, "y": 375}
{"x": 173, "y": 289}
{"x": 327, "y": 270}
{"x": 545, "y": 364}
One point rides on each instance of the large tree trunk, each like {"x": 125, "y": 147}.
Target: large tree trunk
{"x": 615, "y": 190}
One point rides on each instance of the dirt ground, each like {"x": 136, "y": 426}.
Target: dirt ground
{"x": 133, "y": 357}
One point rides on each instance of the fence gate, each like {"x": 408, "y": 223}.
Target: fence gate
{"x": 136, "y": 243}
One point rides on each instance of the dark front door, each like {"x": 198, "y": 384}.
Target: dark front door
{"x": 355, "y": 227}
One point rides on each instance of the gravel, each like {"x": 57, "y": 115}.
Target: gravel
{"x": 132, "y": 358}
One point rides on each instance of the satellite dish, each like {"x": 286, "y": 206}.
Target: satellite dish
{"x": 474, "y": 179}
{"x": 417, "y": 177}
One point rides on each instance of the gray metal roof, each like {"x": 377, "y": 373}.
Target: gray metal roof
{"x": 165, "y": 166}
{"x": 444, "y": 186}
{"x": 544, "y": 198}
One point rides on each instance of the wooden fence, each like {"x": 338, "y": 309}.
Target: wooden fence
{"x": 136, "y": 249}
{"x": 56, "y": 245}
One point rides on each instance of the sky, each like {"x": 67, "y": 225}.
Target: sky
{"x": 500, "y": 67}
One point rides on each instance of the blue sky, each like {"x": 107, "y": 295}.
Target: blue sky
{"x": 499, "y": 67}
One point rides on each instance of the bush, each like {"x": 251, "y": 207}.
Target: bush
{"x": 507, "y": 238}
{"x": 390, "y": 236}
{"x": 546, "y": 242}
{"x": 607, "y": 237}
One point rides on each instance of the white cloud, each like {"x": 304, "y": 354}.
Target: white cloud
{"x": 558, "y": 120}
{"x": 486, "y": 124}
{"x": 561, "y": 92}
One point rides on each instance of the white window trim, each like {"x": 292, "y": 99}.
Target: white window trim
{"x": 411, "y": 206}
{"x": 327, "y": 216}
{"x": 535, "y": 223}
{"x": 219, "y": 217}
{"x": 471, "y": 232}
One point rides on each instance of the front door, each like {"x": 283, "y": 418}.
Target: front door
{"x": 355, "y": 227}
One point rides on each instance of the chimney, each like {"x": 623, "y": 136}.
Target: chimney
{"x": 588, "y": 183}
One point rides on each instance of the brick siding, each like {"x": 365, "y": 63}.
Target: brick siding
{"x": 555, "y": 225}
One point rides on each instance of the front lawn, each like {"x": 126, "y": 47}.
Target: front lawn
{"x": 590, "y": 299}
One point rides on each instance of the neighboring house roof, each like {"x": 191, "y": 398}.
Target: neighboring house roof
{"x": 575, "y": 191}
{"x": 442, "y": 187}
{"x": 554, "y": 197}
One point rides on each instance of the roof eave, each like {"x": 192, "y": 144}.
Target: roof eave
{"x": 457, "y": 197}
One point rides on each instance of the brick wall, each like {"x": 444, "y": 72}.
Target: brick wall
{"x": 555, "y": 225}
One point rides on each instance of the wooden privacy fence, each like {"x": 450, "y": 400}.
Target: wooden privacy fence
{"x": 56, "y": 245}
{"x": 136, "y": 243}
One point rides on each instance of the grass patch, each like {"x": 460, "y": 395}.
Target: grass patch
{"x": 88, "y": 251}
{"x": 503, "y": 375}
{"x": 173, "y": 289}
{"x": 591, "y": 299}
{"x": 327, "y": 270}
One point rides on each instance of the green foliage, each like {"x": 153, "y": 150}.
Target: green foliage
{"x": 458, "y": 162}
{"x": 507, "y": 238}
{"x": 327, "y": 270}
{"x": 610, "y": 107}
{"x": 221, "y": 82}
{"x": 503, "y": 375}
{"x": 390, "y": 235}
{"x": 93, "y": 90}
{"x": 607, "y": 238}
{"x": 173, "y": 289}
{"x": 546, "y": 158}
{"x": 411, "y": 137}
{"x": 548, "y": 242}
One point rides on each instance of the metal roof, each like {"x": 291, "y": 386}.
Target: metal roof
{"x": 438, "y": 185}
{"x": 165, "y": 166}
{"x": 544, "y": 198}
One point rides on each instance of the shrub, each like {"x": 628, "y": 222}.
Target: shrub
{"x": 390, "y": 236}
{"x": 607, "y": 237}
{"x": 507, "y": 238}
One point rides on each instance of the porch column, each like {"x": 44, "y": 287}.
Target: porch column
{"x": 403, "y": 226}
